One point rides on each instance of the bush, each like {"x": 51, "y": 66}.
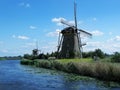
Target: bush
{"x": 27, "y": 62}
{"x": 116, "y": 57}
{"x": 57, "y": 65}
{"x": 102, "y": 71}
{"x": 71, "y": 68}
{"x": 43, "y": 64}
{"x": 85, "y": 69}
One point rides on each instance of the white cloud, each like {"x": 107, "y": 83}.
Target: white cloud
{"x": 70, "y": 23}
{"x": 91, "y": 46}
{"x": 26, "y": 5}
{"x": 58, "y": 20}
{"x": 20, "y": 37}
{"x": 117, "y": 45}
{"x": 95, "y": 44}
{"x": 23, "y": 37}
{"x": 32, "y": 27}
{"x": 106, "y": 46}
{"x": 53, "y": 34}
{"x": 116, "y": 38}
{"x": 97, "y": 33}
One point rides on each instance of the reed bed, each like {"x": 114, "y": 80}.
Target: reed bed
{"x": 100, "y": 70}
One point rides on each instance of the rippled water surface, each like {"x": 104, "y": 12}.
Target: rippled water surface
{"x": 14, "y": 76}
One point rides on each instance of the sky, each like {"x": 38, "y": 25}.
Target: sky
{"x": 25, "y": 22}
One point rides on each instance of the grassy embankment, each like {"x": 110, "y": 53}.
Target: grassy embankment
{"x": 85, "y": 67}
{"x": 1, "y": 58}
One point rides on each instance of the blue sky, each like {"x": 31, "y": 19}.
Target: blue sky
{"x": 23, "y": 22}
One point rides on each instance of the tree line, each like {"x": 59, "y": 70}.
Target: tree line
{"x": 96, "y": 55}
{"x": 11, "y": 57}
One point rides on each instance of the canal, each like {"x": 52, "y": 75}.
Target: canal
{"x": 14, "y": 76}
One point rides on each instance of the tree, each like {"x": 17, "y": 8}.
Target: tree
{"x": 88, "y": 54}
{"x": 99, "y": 53}
{"x": 42, "y": 56}
{"x": 116, "y": 57}
{"x": 27, "y": 56}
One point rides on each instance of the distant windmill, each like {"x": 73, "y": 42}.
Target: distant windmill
{"x": 69, "y": 44}
{"x": 35, "y": 52}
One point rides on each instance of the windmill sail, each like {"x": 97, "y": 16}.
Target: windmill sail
{"x": 75, "y": 14}
{"x": 84, "y": 33}
{"x": 67, "y": 23}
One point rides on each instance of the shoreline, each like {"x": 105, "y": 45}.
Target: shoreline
{"x": 99, "y": 70}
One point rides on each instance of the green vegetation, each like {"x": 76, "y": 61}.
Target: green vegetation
{"x": 96, "y": 55}
{"x": 40, "y": 56}
{"x": 91, "y": 54}
{"x": 116, "y": 57}
{"x": 100, "y": 70}
{"x": 11, "y": 58}
{"x": 94, "y": 64}
{"x": 1, "y": 58}
{"x": 27, "y": 62}
{"x": 75, "y": 60}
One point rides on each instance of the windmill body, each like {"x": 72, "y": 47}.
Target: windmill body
{"x": 70, "y": 45}
{"x": 35, "y": 52}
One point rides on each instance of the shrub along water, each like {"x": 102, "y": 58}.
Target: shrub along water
{"x": 100, "y": 70}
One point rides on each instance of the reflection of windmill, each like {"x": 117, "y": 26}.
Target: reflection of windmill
{"x": 69, "y": 44}
{"x": 35, "y": 52}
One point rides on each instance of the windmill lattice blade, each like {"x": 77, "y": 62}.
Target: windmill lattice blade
{"x": 66, "y": 23}
{"x": 85, "y": 33}
{"x": 75, "y": 14}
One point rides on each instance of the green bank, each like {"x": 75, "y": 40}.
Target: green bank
{"x": 1, "y": 58}
{"x": 85, "y": 67}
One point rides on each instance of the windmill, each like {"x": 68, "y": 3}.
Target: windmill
{"x": 35, "y": 52}
{"x": 69, "y": 43}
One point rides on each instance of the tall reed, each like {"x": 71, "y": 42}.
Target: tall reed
{"x": 100, "y": 70}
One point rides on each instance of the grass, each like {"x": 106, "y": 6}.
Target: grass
{"x": 75, "y": 60}
{"x": 86, "y": 67}
{"x": 1, "y": 58}
{"x": 27, "y": 62}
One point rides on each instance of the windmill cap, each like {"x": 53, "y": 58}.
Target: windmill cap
{"x": 68, "y": 30}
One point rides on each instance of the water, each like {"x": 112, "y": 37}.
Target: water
{"x": 14, "y": 76}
